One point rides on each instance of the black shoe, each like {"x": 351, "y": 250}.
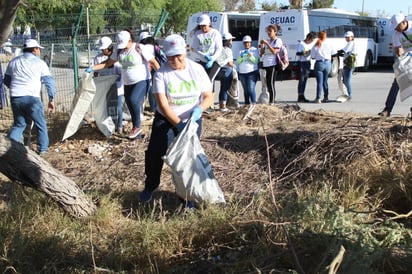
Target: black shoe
{"x": 325, "y": 100}
{"x": 302, "y": 99}
{"x": 384, "y": 113}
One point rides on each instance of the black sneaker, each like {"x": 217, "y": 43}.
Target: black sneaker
{"x": 384, "y": 113}
{"x": 302, "y": 99}
{"x": 325, "y": 100}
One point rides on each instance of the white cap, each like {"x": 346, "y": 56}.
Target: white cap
{"x": 204, "y": 19}
{"x": 174, "y": 44}
{"x": 349, "y": 34}
{"x": 105, "y": 42}
{"x": 143, "y": 35}
{"x": 247, "y": 38}
{"x": 396, "y": 19}
{"x": 31, "y": 43}
{"x": 122, "y": 39}
{"x": 228, "y": 36}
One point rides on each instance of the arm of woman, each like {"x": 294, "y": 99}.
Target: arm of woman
{"x": 207, "y": 100}
{"x": 154, "y": 63}
{"x": 108, "y": 63}
{"x": 163, "y": 105}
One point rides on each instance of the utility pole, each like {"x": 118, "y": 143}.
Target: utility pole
{"x": 363, "y": 6}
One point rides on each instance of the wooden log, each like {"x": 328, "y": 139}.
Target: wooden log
{"x": 25, "y": 166}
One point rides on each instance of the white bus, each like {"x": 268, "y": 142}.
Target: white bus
{"x": 386, "y": 53}
{"x": 238, "y": 24}
{"x": 296, "y": 23}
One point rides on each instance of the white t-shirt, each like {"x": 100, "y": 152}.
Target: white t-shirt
{"x": 100, "y": 58}
{"x": 26, "y": 72}
{"x": 183, "y": 88}
{"x": 134, "y": 67}
{"x": 302, "y": 46}
{"x": 207, "y": 43}
{"x": 349, "y": 48}
{"x": 325, "y": 52}
{"x": 269, "y": 59}
{"x": 246, "y": 62}
{"x": 225, "y": 57}
{"x": 115, "y": 70}
{"x": 398, "y": 39}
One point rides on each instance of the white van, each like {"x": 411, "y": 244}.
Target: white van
{"x": 238, "y": 24}
{"x": 296, "y": 23}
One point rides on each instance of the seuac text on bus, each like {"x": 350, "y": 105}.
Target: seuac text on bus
{"x": 283, "y": 20}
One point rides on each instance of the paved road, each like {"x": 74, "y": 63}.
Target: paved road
{"x": 369, "y": 93}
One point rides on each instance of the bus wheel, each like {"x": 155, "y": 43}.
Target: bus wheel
{"x": 368, "y": 61}
{"x": 334, "y": 67}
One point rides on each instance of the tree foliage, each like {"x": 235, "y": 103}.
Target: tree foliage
{"x": 296, "y": 4}
{"x": 230, "y": 4}
{"x": 318, "y": 4}
{"x": 267, "y": 6}
{"x": 179, "y": 11}
{"x": 247, "y": 5}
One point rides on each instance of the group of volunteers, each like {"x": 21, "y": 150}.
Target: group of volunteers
{"x": 213, "y": 51}
{"x": 181, "y": 88}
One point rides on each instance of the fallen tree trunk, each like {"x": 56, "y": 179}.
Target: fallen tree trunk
{"x": 26, "y": 167}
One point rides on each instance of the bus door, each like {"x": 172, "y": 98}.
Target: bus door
{"x": 385, "y": 50}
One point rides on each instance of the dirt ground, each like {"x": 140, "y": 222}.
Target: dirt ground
{"x": 238, "y": 147}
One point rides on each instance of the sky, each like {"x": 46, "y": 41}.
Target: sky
{"x": 372, "y": 7}
{"x": 376, "y": 7}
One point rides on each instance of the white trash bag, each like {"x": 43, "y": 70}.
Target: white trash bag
{"x": 403, "y": 73}
{"x": 192, "y": 173}
{"x": 80, "y": 104}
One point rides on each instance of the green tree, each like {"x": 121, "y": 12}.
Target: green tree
{"x": 179, "y": 11}
{"x": 230, "y": 4}
{"x": 296, "y": 4}
{"x": 269, "y": 6}
{"x": 318, "y": 4}
{"x": 247, "y": 5}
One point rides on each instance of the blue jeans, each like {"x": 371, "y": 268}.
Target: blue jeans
{"x": 322, "y": 69}
{"x": 27, "y": 109}
{"x": 248, "y": 81}
{"x": 347, "y": 77}
{"x": 163, "y": 134}
{"x": 134, "y": 96}
{"x": 393, "y": 93}
{"x": 304, "y": 69}
{"x": 225, "y": 77}
{"x": 120, "y": 111}
{"x": 150, "y": 96}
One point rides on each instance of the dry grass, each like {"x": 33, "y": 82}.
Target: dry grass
{"x": 299, "y": 185}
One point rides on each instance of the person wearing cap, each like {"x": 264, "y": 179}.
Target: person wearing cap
{"x": 248, "y": 69}
{"x": 269, "y": 48}
{"x": 225, "y": 61}
{"x": 106, "y": 47}
{"x": 402, "y": 44}
{"x": 134, "y": 59}
{"x": 24, "y": 77}
{"x": 303, "y": 50}
{"x": 182, "y": 91}
{"x": 348, "y": 71}
{"x": 207, "y": 45}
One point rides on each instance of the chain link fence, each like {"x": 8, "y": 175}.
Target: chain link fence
{"x": 56, "y": 33}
